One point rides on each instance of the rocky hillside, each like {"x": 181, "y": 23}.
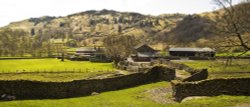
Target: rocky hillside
{"x": 189, "y": 30}
{"x": 93, "y": 25}
{"x": 90, "y": 27}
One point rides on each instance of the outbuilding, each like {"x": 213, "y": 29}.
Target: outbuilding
{"x": 86, "y": 51}
{"x": 192, "y": 52}
{"x": 144, "y": 52}
{"x": 83, "y": 54}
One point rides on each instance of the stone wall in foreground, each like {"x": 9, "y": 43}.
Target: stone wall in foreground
{"x": 212, "y": 87}
{"x": 24, "y": 89}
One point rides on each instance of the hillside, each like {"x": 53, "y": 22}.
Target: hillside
{"x": 189, "y": 30}
{"x": 199, "y": 30}
{"x": 92, "y": 25}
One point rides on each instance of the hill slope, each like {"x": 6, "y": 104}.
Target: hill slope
{"x": 94, "y": 25}
{"x": 190, "y": 29}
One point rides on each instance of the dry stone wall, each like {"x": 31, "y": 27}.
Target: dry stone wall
{"x": 212, "y": 87}
{"x": 24, "y": 89}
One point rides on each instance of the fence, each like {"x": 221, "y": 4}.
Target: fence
{"x": 87, "y": 70}
{"x": 14, "y": 58}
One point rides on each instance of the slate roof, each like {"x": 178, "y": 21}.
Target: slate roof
{"x": 144, "y": 48}
{"x": 88, "y": 49}
{"x": 192, "y": 49}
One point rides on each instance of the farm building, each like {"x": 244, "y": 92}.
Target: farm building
{"x": 83, "y": 54}
{"x": 93, "y": 54}
{"x": 192, "y": 52}
{"x": 86, "y": 51}
{"x": 99, "y": 57}
{"x": 144, "y": 52}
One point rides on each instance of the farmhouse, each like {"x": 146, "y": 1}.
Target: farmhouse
{"x": 144, "y": 52}
{"x": 93, "y": 54}
{"x": 83, "y": 54}
{"x": 86, "y": 51}
{"x": 192, "y": 52}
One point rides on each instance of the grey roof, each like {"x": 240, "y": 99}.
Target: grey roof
{"x": 192, "y": 49}
{"x": 144, "y": 48}
{"x": 86, "y": 49}
{"x": 139, "y": 45}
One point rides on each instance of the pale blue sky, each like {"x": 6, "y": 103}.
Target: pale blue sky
{"x": 15, "y": 10}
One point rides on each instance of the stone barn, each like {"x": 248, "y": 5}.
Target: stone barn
{"x": 144, "y": 52}
{"x": 86, "y": 51}
{"x": 83, "y": 54}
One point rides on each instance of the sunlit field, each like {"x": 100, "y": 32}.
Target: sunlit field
{"x": 218, "y": 68}
{"x": 33, "y": 65}
{"x": 51, "y": 69}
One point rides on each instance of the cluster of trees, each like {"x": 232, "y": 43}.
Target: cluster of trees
{"x": 15, "y": 42}
{"x": 21, "y": 43}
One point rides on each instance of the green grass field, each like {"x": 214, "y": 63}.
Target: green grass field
{"x": 51, "y": 69}
{"x": 219, "y": 65}
{"x": 234, "y": 54}
{"x": 131, "y": 97}
{"x": 33, "y": 65}
{"x": 217, "y": 68}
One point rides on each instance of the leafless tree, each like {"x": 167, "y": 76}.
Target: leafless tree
{"x": 233, "y": 24}
{"x": 233, "y": 27}
{"x": 119, "y": 47}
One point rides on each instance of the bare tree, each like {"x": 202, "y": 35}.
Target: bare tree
{"x": 119, "y": 47}
{"x": 233, "y": 24}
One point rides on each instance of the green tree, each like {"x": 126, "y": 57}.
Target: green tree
{"x": 13, "y": 42}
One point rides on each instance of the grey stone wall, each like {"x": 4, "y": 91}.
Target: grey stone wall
{"x": 24, "y": 89}
{"x": 213, "y": 87}
{"x": 202, "y": 75}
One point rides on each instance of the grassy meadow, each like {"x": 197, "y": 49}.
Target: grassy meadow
{"x": 218, "y": 68}
{"x": 32, "y": 65}
{"x": 139, "y": 96}
{"x": 149, "y": 95}
{"x": 51, "y": 69}
{"x": 234, "y": 54}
